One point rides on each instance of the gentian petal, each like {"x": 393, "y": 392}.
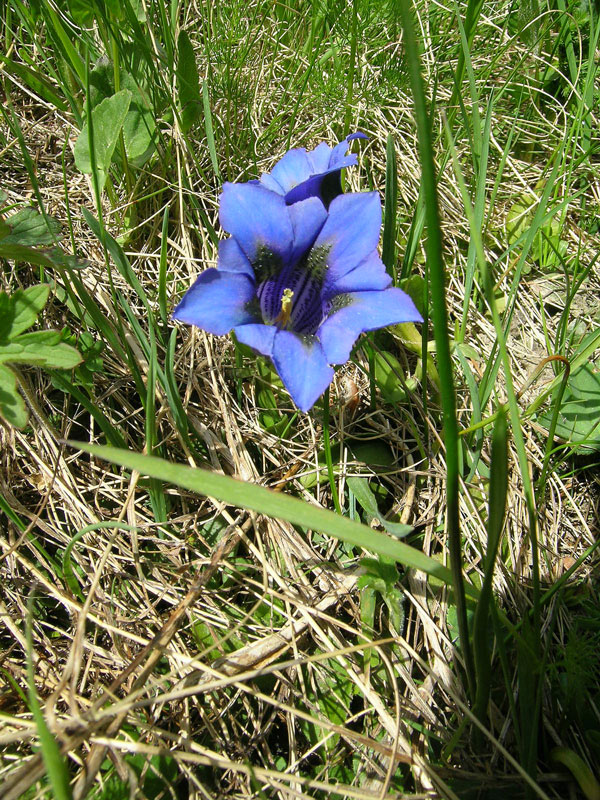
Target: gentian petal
{"x": 319, "y": 158}
{"x": 292, "y": 169}
{"x": 359, "y": 312}
{"x": 217, "y": 302}
{"x": 257, "y": 336}
{"x": 302, "y": 367}
{"x": 338, "y": 153}
{"x": 369, "y": 275}
{"x": 256, "y": 218}
{"x": 351, "y": 232}
{"x": 233, "y": 259}
{"x": 307, "y": 219}
{"x": 270, "y": 183}
{"x": 326, "y": 185}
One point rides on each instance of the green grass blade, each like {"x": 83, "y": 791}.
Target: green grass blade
{"x": 474, "y": 8}
{"x": 440, "y": 326}
{"x": 351, "y": 68}
{"x": 328, "y": 457}
{"x": 390, "y": 209}
{"x": 56, "y": 766}
{"x": 274, "y": 504}
{"x": 162, "y": 273}
{"x": 210, "y": 135}
{"x": 497, "y": 508}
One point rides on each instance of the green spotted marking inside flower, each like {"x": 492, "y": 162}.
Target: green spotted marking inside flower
{"x": 316, "y": 263}
{"x": 338, "y": 302}
{"x": 308, "y": 340}
{"x": 266, "y": 264}
{"x": 253, "y": 307}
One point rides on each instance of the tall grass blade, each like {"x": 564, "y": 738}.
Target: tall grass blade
{"x": 274, "y": 504}
{"x": 442, "y": 339}
{"x": 470, "y": 25}
{"x": 208, "y": 127}
{"x": 496, "y": 511}
{"x": 56, "y": 767}
{"x": 390, "y": 209}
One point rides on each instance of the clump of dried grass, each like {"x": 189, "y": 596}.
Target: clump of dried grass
{"x": 123, "y": 669}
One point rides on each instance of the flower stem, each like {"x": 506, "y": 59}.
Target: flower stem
{"x": 327, "y": 448}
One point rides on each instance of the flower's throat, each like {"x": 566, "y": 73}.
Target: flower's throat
{"x": 284, "y": 315}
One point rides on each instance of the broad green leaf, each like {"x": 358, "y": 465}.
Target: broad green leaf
{"x": 139, "y": 126}
{"x": 547, "y": 248}
{"x": 333, "y": 697}
{"x": 83, "y": 12}
{"x": 579, "y": 769}
{"x": 6, "y": 309}
{"x": 362, "y": 491}
{"x": 138, "y": 132}
{"x": 386, "y": 370}
{"x": 12, "y": 407}
{"x": 115, "y": 8}
{"x": 579, "y": 415}
{"x": 274, "y": 504}
{"x": 23, "y": 307}
{"x": 31, "y": 228}
{"x": 188, "y": 85}
{"x": 52, "y": 356}
{"x": 102, "y": 81}
{"x": 43, "y": 338}
{"x": 52, "y": 257}
{"x": 375, "y": 454}
{"x": 107, "y": 122}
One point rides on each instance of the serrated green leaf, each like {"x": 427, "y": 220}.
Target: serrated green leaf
{"x": 12, "y": 407}
{"x": 107, "y": 122}
{"x": 188, "y": 84}
{"x": 31, "y": 228}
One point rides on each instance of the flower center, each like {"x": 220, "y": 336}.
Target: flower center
{"x": 290, "y": 295}
{"x": 284, "y": 315}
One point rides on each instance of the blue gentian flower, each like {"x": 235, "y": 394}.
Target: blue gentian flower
{"x": 301, "y": 174}
{"x": 297, "y": 283}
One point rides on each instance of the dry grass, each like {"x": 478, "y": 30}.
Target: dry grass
{"x": 213, "y": 636}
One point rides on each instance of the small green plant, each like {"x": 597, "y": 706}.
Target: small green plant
{"x": 31, "y": 237}
{"x": 44, "y": 348}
